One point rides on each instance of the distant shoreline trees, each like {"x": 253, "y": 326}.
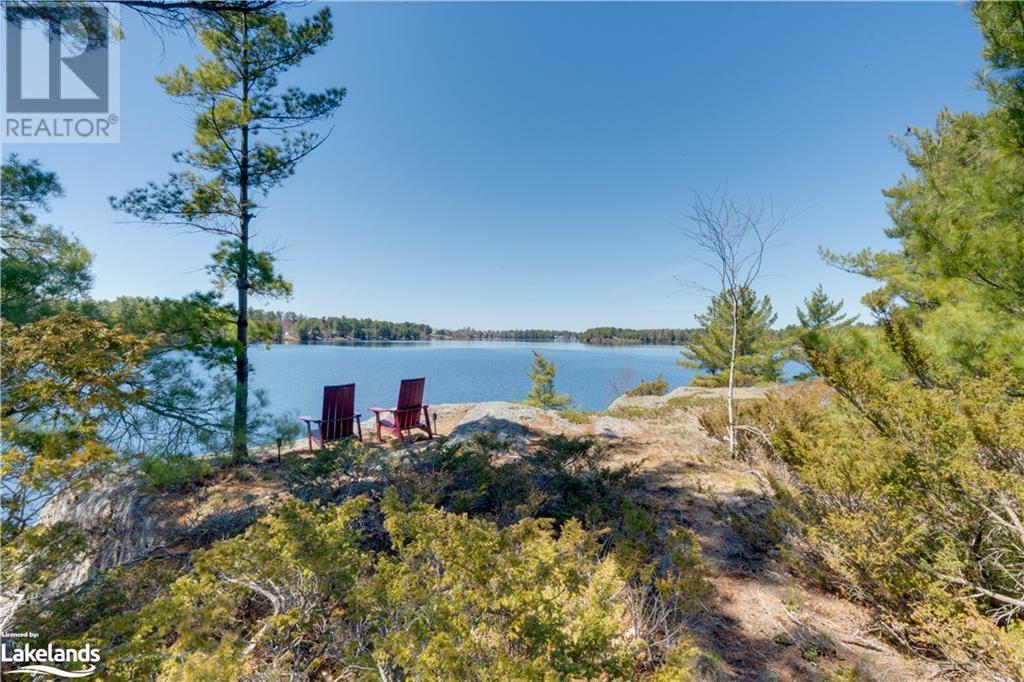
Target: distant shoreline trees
{"x": 614, "y": 336}
{"x": 470, "y": 334}
{"x": 291, "y": 327}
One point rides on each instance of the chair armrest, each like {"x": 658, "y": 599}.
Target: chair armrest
{"x": 378, "y": 410}
{"x": 331, "y": 421}
{"x": 309, "y": 419}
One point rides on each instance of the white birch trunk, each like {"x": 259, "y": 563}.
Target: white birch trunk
{"x": 731, "y": 431}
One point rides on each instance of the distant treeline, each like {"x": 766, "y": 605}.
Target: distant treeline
{"x": 290, "y": 327}
{"x": 612, "y": 336}
{"x": 469, "y": 334}
{"x": 595, "y": 335}
{"x": 294, "y": 328}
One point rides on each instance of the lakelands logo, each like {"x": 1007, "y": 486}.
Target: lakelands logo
{"x": 60, "y": 72}
{"x": 52, "y": 660}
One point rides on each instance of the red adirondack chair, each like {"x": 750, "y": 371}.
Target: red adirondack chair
{"x": 338, "y": 419}
{"x": 407, "y": 413}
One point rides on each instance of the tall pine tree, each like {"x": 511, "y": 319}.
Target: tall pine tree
{"x": 957, "y": 278}
{"x": 250, "y": 134}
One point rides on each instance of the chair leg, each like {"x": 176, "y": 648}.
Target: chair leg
{"x": 309, "y": 436}
{"x": 379, "y": 439}
{"x": 426, "y": 420}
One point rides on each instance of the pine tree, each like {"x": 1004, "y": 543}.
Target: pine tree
{"x": 42, "y": 266}
{"x": 542, "y": 374}
{"x": 249, "y": 137}
{"x": 921, "y": 456}
{"x": 958, "y": 273}
{"x": 821, "y": 312}
{"x": 710, "y": 347}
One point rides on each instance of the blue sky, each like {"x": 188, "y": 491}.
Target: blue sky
{"x": 528, "y": 165}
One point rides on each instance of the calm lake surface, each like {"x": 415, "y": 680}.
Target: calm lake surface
{"x": 457, "y": 371}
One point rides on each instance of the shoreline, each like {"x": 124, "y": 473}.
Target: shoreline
{"x": 391, "y": 342}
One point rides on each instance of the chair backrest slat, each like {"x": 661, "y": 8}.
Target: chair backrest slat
{"x": 338, "y": 412}
{"x": 410, "y": 396}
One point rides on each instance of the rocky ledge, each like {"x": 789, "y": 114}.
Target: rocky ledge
{"x": 520, "y": 425}
{"x": 696, "y": 392}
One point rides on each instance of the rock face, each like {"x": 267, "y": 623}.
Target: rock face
{"x": 740, "y": 393}
{"x": 518, "y": 425}
{"x": 612, "y": 427}
{"x": 514, "y": 424}
{"x": 123, "y": 522}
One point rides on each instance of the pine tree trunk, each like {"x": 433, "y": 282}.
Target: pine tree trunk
{"x": 239, "y": 433}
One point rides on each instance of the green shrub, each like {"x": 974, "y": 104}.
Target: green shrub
{"x": 329, "y": 469}
{"x": 167, "y": 471}
{"x": 454, "y": 598}
{"x": 121, "y": 590}
{"x": 680, "y": 664}
{"x": 576, "y": 416}
{"x": 476, "y": 479}
{"x": 905, "y": 500}
{"x": 484, "y": 614}
{"x": 668, "y": 409}
{"x": 634, "y": 412}
{"x": 715, "y": 420}
{"x": 721, "y": 380}
{"x": 547, "y": 565}
{"x": 577, "y": 482}
{"x": 562, "y": 478}
{"x": 571, "y": 480}
{"x": 567, "y": 479}
{"x": 657, "y": 386}
{"x": 685, "y": 576}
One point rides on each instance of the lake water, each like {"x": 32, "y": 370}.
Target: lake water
{"x": 457, "y": 371}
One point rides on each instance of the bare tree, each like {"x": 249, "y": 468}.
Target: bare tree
{"x": 733, "y": 238}
{"x": 624, "y": 379}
